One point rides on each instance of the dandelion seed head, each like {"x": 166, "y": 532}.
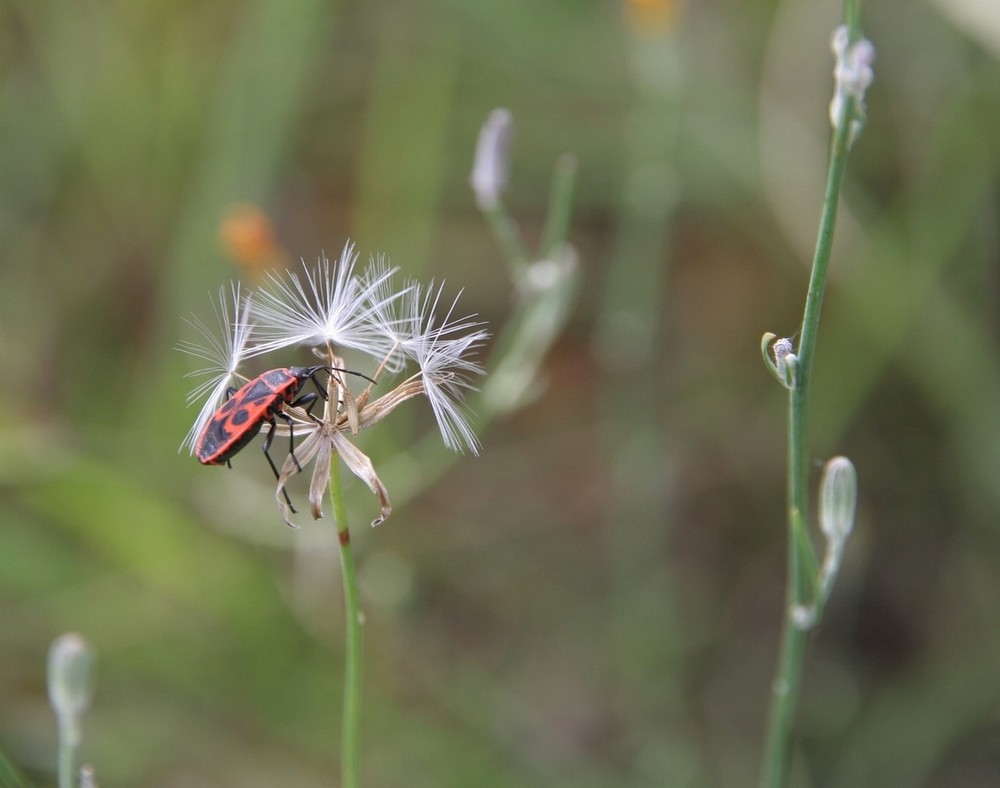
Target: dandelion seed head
{"x": 326, "y": 305}
{"x": 447, "y": 366}
{"x": 224, "y": 356}
{"x": 392, "y": 312}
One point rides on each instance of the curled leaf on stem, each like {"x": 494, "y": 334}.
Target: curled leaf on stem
{"x": 783, "y": 364}
{"x": 837, "y": 506}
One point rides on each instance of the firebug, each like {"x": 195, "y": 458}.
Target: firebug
{"x": 258, "y": 402}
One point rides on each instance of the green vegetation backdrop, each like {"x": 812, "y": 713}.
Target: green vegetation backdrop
{"x": 596, "y": 600}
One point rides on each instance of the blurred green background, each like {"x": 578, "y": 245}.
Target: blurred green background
{"x": 596, "y": 600}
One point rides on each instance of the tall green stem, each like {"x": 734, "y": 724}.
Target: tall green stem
{"x": 7, "y": 774}
{"x": 350, "y": 745}
{"x": 800, "y": 589}
{"x": 506, "y": 232}
{"x": 67, "y": 755}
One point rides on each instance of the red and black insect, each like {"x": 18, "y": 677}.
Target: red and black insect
{"x": 259, "y": 402}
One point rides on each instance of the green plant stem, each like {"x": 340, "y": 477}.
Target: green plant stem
{"x": 560, "y": 212}
{"x": 524, "y": 342}
{"x": 354, "y": 622}
{"x": 8, "y": 775}
{"x": 67, "y": 755}
{"x": 800, "y": 589}
{"x": 506, "y": 232}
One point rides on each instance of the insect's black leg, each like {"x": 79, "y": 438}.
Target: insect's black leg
{"x": 267, "y": 445}
{"x": 319, "y": 385}
{"x": 307, "y": 401}
{"x": 291, "y": 436}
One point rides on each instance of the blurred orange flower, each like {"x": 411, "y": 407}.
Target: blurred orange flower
{"x": 653, "y": 16}
{"x": 248, "y": 239}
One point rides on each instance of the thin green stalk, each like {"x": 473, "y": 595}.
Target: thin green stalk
{"x": 67, "y": 755}
{"x": 800, "y": 588}
{"x": 350, "y": 746}
{"x": 560, "y": 211}
{"x": 8, "y": 775}
{"x": 506, "y": 233}
{"x": 70, "y": 680}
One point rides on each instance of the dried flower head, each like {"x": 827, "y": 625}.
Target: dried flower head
{"x": 332, "y": 308}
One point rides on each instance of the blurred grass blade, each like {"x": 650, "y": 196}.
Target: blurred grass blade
{"x": 9, "y": 778}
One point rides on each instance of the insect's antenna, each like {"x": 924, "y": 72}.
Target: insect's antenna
{"x": 350, "y": 372}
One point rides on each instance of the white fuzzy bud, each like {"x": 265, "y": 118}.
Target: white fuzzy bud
{"x": 852, "y": 74}
{"x": 71, "y": 663}
{"x": 492, "y": 162}
{"x": 837, "y": 504}
{"x": 838, "y": 499}
{"x": 785, "y": 361}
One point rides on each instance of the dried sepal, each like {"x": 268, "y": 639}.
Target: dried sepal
{"x": 361, "y": 466}
{"x": 373, "y": 412}
{"x": 328, "y": 438}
